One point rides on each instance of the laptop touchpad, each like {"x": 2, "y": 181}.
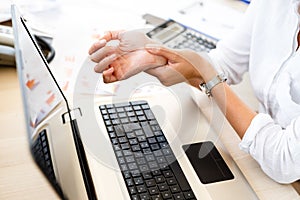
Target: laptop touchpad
{"x": 207, "y": 162}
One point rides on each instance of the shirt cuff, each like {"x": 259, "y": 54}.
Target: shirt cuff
{"x": 260, "y": 121}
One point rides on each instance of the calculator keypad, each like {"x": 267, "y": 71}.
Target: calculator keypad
{"x": 192, "y": 40}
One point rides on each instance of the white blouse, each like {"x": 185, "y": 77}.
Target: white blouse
{"x": 265, "y": 45}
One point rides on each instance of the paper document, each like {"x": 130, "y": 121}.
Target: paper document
{"x": 208, "y": 17}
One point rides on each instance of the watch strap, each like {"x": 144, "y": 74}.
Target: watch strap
{"x": 207, "y": 87}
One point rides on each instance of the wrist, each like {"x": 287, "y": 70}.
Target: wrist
{"x": 208, "y": 86}
{"x": 153, "y": 61}
{"x": 208, "y": 72}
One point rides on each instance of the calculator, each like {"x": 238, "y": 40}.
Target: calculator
{"x": 178, "y": 36}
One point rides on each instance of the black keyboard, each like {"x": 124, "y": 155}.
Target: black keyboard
{"x": 148, "y": 164}
{"x": 41, "y": 154}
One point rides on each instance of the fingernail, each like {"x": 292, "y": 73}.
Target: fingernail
{"x": 98, "y": 69}
{"x": 92, "y": 57}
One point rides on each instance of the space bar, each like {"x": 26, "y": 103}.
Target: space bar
{"x": 181, "y": 179}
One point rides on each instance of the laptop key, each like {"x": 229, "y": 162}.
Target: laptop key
{"x": 131, "y": 127}
{"x": 153, "y": 190}
{"x": 175, "y": 189}
{"x": 138, "y": 181}
{"x": 132, "y": 190}
{"x": 147, "y": 175}
{"x": 163, "y": 187}
{"x": 171, "y": 181}
{"x": 156, "y": 197}
{"x": 166, "y": 195}
{"x": 129, "y": 182}
{"x": 150, "y": 182}
{"x": 189, "y": 195}
{"x": 119, "y": 130}
{"x": 135, "y": 173}
{"x": 141, "y": 188}
{"x": 135, "y": 197}
{"x": 145, "y": 196}
{"x": 178, "y": 196}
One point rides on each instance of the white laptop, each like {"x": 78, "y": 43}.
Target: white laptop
{"x": 104, "y": 148}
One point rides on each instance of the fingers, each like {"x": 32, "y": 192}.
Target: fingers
{"x": 97, "y": 45}
{"x": 108, "y": 76}
{"x": 112, "y": 35}
{"x": 160, "y": 50}
{"x": 108, "y": 36}
{"x": 103, "y": 52}
{"x": 104, "y": 63}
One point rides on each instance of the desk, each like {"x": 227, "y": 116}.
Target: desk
{"x": 20, "y": 178}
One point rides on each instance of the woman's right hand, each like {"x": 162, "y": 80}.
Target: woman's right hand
{"x": 182, "y": 66}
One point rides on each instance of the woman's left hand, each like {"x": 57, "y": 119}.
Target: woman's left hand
{"x": 127, "y": 58}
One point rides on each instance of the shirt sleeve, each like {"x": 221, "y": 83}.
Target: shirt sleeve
{"x": 231, "y": 55}
{"x": 277, "y": 150}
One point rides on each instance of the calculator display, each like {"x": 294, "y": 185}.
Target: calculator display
{"x": 169, "y": 32}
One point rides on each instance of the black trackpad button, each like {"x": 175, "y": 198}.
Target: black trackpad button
{"x": 207, "y": 162}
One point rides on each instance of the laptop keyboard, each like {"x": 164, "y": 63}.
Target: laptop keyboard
{"x": 148, "y": 164}
{"x": 41, "y": 153}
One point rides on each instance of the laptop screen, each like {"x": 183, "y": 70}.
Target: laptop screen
{"x": 39, "y": 89}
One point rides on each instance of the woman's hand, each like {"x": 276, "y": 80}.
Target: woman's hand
{"x": 127, "y": 58}
{"x": 183, "y": 66}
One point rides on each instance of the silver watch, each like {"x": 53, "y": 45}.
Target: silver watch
{"x": 207, "y": 87}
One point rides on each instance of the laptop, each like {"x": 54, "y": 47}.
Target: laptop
{"x": 103, "y": 148}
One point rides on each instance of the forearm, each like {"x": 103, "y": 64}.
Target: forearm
{"x": 196, "y": 69}
{"x": 238, "y": 114}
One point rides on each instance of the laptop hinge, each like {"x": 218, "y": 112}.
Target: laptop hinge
{"x": 75, "y": 114}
